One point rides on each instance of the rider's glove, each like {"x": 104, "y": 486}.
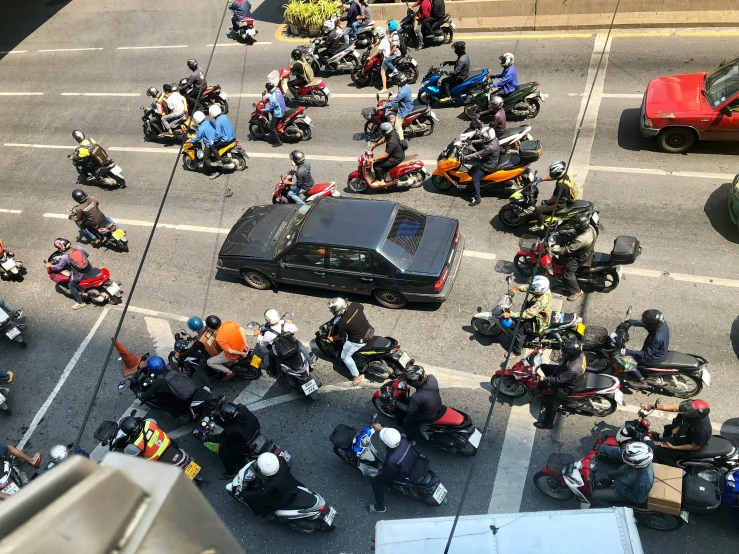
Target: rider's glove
{"x": 538, "y": 179}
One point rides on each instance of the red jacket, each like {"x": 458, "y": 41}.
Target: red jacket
{"x": 424, "y": 10}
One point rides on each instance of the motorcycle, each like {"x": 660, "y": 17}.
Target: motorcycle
{"x": 365, "y": 451}
{"x": 209, "y": 96}
{"x": 258, "y": 444}
{"x": 10, "y": 268}
{"x": 431, "y": 91}
{"x": 109, "y": 234}
{"x": 59, "y": 453}
{"x": 315, "y": 93}
{"x": 107, "y": 175}
{"x": 509, "y": 175}
{"x": 364, "y": 36}
{"x": 345, "y": 59}
{"x": 154, "y": 131}
{"x": 603, "y": 275}
{"x": 409, "y": 173}
{"x": 295, "y": 126}
{"x": 522, "y": 103}
{"x": 368, "y": 70}
{"x": 97, "y": 285}
{"x": 319, "y": 190}
{"x": 420, "y": 122}
{"x": 443, "y": 30}
{"x": 380, "y": 357}
{"x": 12, "y": 328}
{"x": 597, "y": 396}
{"x": 232, "y": 156}
{"x": 454, "y": 431}
{"x": 509, "y": 141}
{"x": 307, "y": 512}
{"x": 246, "y": 31}
{"x": 247, "y": 368}
{"x": 13, "y": 478}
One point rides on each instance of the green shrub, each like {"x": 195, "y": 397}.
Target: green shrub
{"x": 310, "y": 13}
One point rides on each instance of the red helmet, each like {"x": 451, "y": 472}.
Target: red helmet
{"x": 695, "y": 409}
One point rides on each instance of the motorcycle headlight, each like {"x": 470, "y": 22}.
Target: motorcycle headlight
{"x": 200, "y": 155}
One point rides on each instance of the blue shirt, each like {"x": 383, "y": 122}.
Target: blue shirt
{"x": 241, "y": 8}
{"x": 206, "y": 133}
{"x": 276, "y": 104}
{"x": 404, "y": 101}
{"x": 224, "y": 130}
{"x": 399, "y": 461}
{"x": 508, "y": 79}
{"x": 633, "y": 483}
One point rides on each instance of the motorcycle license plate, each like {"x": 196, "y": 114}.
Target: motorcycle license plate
{"x": 684, "y": 515}
{"x": 251, "y": 32}
{"x": 223, "y": 95}
{"x": 595, "y": 217}
{"x": 618, "y": 396}
{"x": 308, "y": 120}
{"x": 405, "y": 359}
{"x": 192, "y": 470}
{"x": 11, "y": 488}
{"x": 116, "y": 170}
{"x": 439, "y": 494}
{"x": 14, "y": 332}
{"x": 7, "y": 266}
{"x": 113, "y": 289}
{"x": 310, "y": 387}
{"x": 2, "y": 398}
{"x": 433, "y": 115}
{"x": 256, "y": 361}
{"x": 414, "y": 62}
{"x": 286, "y": 455}
{"x": 326, "y": 91}
{"x": 474, "y": 439}
{"x": 706, "y": 377}
{"x": 581, "y": 329}
{"x": 329, "y": 517}
{"x": 118, "y": 234}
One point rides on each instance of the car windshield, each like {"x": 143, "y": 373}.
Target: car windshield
{"x": 289, "y": 230}
{"x": 404, "y": 236}
{"x": 723, "y": 83}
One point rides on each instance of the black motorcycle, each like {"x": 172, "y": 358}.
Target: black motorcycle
{"x": 443, "y": 30}
{"x": 153, "y": 128}
{"x": 108, "y": 233}
{"x": 258, "y": 444}
{"x": 109, "y": 174}
{"x": 13, "y": 328}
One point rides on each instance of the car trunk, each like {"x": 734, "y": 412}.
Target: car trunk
{"x": 252, "y": 236}
{"x": 435, "y": 253}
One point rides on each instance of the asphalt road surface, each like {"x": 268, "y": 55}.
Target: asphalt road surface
{"x": 87, "y": 66}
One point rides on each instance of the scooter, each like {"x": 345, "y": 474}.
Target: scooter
{"x": 107, "y": 175}
{"x": 603, "y": 275}
{"x": 4, "y": 407}
{"x": 379, "y": 358}
{"x": 12, "y": 478}
{"x": 307, "y": 512}
{"x": 319, "y": 190}
{"x": 345, "y": 59}
{"x": 109, "y": 234}
{"x": 368, "y": 70}
{"x": 510, "y": 141}
{"x": 13, "y": 328}
{"x": 522, "y": 103}
{"x": 315, "y": 93}
{"x": 154, "y": 131}
{"x": 209, "y": 96}
{"x": 96, "y": 286}
{"x": 232, "y": 156}
{"x": 454, "y": 431}
{"x": 443, "y": 30}
{"x": 431, "y": 91}
{"x": 364, "y": 36}
{"x": 58, "y": 453}
{"x": 420, "y": 122}
{"x": 597, "y": 396}
{"x": 247, "y": 368}
{"x": 365, "y": 451}
{"x": 409, "y": 173}
{"x": 295, "y": 126}
{"x": 258, "y": 444}
{"x": 10, "y": 268}
{"x": 246, "y": 31}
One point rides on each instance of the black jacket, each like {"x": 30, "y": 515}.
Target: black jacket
{"x": 332, "y": 42}
{"x": 426, "y": 401}
{"x": 462, "y": 67}
{"x": 399, "y": 460}
{"x": 488, "y": 155}
{"x": 239, "y": 431}
{"x": 277, "y": 491}
{"x": 353, "y": 325}
{"x": 355, "y": 10}
{"x": 569, "y": 375}
{"x": 655, "y": 347}
{"x": 580, "y": 248}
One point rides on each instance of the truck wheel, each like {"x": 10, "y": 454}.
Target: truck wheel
{"x": 676, "y": 140}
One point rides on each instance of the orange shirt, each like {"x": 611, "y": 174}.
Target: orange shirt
{"x": 229, "y": 336}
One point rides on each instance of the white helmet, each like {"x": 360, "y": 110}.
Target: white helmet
{"x": 328, "y": 26}
{"x": 391, "y": 437}
{"x": 272, "y": 317}
{"x": 268, "y": 464}
{"x": 214, "y": 110}
{"x": 379, "y": 32}
{"x": 198, "y": 117}
{"x": 506, "y": 59}
{"x": 539, "y": 285}
{"x": 58, "y": 453}
{"x": 636, "y": 454}
{"x": 488, "y": 134}
{"x": 337, "y": 305}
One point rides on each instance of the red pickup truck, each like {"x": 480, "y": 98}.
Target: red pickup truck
{"x": 681, "y": 109}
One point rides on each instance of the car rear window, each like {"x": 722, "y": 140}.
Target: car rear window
{"x": 404, "y": 236}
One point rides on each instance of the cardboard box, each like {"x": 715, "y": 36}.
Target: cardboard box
{"x": 667, "y": 491}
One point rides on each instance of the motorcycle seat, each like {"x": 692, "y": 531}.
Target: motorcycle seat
{"x": 295, "y": 361}
{"x": 524, "y": 86}
{"x": 717, "y": 446}
{"x": 314, "y": 82}
{"x": 304, "y": 500}
{"x": 201, "y": 395}
{"x": 508, "y": 162}
{"x": 289, "y": 112}
{"x": 594, "y": 381}
{"x": 450, "y": 417}
{"x": 377, "y": 342}
{"x": 511, "y": 132}
{"x": 577, "y": 206}
{"x": 420, "y": 470}
{"x": 409, "y": 160}
{"x": 679, "y": 360}
{"x": 418, "y": 109}
{"x": 94, "y": 272}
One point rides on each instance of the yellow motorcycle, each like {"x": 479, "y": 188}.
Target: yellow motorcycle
{"x": 231, "y": 154}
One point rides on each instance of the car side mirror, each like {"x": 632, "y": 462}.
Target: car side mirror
{"x": 727, "y": 111}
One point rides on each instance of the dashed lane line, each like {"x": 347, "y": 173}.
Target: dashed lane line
{"x": 661, "y": 172}
{"x": 21, "y": 93}
{"x": 609, "y": 95}
{"x": 68, "y": 49}
{"x": 100, "y": 94}
{"x": 225, "y": 44}
{"x": 150, "y": 47}
{"x": 7, "y": 211}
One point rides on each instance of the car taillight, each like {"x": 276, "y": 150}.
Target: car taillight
{"x": 456, "y": 237}
{"x": 438, "y": 285}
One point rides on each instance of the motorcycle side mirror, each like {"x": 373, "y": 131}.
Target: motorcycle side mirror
{"x": 122, "y": 385}
{"x": 133, "y": 413}
{"x": 252, "y": 325}
{"x": 508, "y": 279}
{"x": 389, "y": 95}
{"x": 378, "y": 96}
{"x": 628, "y": 311}
{"x": 288, "y": 315}
{"x": 254, "y": 105}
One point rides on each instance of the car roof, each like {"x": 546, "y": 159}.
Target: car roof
{"x": 353, "y": 222}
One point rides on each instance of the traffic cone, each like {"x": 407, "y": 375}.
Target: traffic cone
{"x": 130, "y": 362}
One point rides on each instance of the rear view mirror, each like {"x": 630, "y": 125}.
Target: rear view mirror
{"x": 389, "y": 95}
{"x": 727, "y": 111}
{"x": 378, "y": 96}
{"x": 122, "y": 385}
{"x": 628, "y": 311}
{"x": 288, "y": 315}
{"x": 252, "y": 325}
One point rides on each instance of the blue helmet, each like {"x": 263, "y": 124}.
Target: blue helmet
{"x": 392, "y": 25}
{"x": 155, "y": 364}
{"x": 195, "y": 324}
{"x": 506, "y": 322}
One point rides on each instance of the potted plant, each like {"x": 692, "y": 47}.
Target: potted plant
{"x": 306, "y": 17}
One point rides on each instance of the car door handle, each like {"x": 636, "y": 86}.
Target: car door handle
{"x": 368, "y": 279}
{"x": 322, "y": 273}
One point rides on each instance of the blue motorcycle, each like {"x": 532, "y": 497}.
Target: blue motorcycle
{"x": 431, "y": 92}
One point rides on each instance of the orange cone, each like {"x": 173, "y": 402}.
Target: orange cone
{"x": 130, "y": 362}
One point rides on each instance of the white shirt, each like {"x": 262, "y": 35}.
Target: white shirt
{"x": 268, "y": 338}
{"x": 385, "y": 46}
{"x": 176, "y": 103}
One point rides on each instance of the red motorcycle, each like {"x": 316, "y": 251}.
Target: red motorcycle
{"x": 420, "y": 122}
{"x": 368, "y": 70}
{"x": 453, "y": 431}
{"x": 315, "y": 93}
{"x": 294, "y": 127}
{"x": 209, "y": 96}
{"x": 319, "y": 190}
{"x": 96, "y": 286}
{"x": 603, "y": 275}
{"x": 597, "y": 396}
{"x": 409, "y": 173}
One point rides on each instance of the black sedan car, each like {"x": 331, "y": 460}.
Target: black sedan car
{"x": 347, "y": 245}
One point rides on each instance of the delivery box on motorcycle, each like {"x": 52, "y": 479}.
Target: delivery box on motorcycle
{"x": 702, "y": 491}
{"x": 625, "y": 249}
{"x": 529, "y": 151}
{"x": 667, "y": 490}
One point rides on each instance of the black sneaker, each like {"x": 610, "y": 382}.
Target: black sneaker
{"x": 475, "y": 201}
{"x": 375, "y": 509}
{"x": 542, "y": 426}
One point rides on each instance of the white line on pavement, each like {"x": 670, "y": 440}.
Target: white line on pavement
{"x": 6, "y": 211}
{"x": 483, "y": 255}
{"x": 69, "y": 49}
{"x": 13, "y": 51}
{"x": 63, "y": 377}
{"x": 150, "y": 47}
{"x": 718, "y": 426}
{"x": 21, "y": 93}
{"x": 21, "y": 145}
{"x": 650, "y": 171}
{"x": 100, "y": 94}
{"x": 609, "y": 95}
{"x": 642, "y": 272}
{"x": 161, "y": 335}
{"x": 236, "y": 44}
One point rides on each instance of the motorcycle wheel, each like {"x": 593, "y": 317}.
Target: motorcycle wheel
{"x": 359, "y": 78}
{"x": 314, "y": 66}
{"x": 240, "y": 162}
{"x": 321, "y": 99}
{"x": 597, "y": 362}
{"x": 440, "y": 183}
{"x": 602, "y": 406}
{"x": 123, "y": 246}
{"x": 371, "y": 131}
{"x": 189, "y": 163}
{"x": 465, "y": 448}
{"x": 357, "y": 184}
{"x": 510, "y": 387}
{"x": 484, "y": 327}
{"x": 429, "y": 122}
{"x": 223, "y": 104}
{"x": 658, "y": 521}
{"x": 681, "y": 385}
{"x": 382, "y": 408}
{"x": 424, "y": 98}
{"x": 313, "y": 396}
{"x": 256, "y": 132}
{"x": 510, "y": 217}
{"x": 448, "y": 35}
{"x": 552, "y": 487}
{"x": 523, "y": 265}
{"x": 247, "y": 373}
{"x": 120, "y": 181}
{"x": 416, "y": 179}
{"x": 411, "y": 73}
{"x": 305, "y": 132}
{"x": 149, "y": 134}
{"x": 534, "y": 107}
{"x": 607, "y": 281}
{"x": 327, "y": 349}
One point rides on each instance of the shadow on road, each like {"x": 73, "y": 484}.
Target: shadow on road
{"x": 717, "y": 211}
{"x": 21, "y": 19}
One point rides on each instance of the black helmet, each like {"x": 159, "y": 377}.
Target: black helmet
{"x": 131, "y": 427}
{"x": 571, "y": 349}
{"x": 192, "y": 63}
{"x": 153, "y": 92}
{"x": 401, "y": 79}
{"x": 297, "y": 157}
{"x": 581, "y": 221}
{"x": 79, "y": 195}
{"x": 459, "y": 47}
{"x": 296, "y": 54}
{"x": 62, "y": 244}
{"x": 183, "y": 82}
{"x": 227, "y": 411}
{"x": 652, "y": 319}
{"x": 167, "y": 87}
{"x": 270, "y": 86}
{"x": 694, "y": 409}
{"x": 415, "y": 375}
{"x": 213, "y": 322}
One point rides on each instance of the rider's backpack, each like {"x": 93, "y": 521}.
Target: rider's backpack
{"x": 309, "y": 75}
{"x": 180, "y": 385}
{"x": 78, "y": 260}
{"x": 285, "y": 345}
{"x": 98, "y": 154}
{"x": 438, "y": 10}
{"x": 402, "y": 46}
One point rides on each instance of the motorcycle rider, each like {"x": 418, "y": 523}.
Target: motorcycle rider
{"x": 301, "y": 181}
{"x": 398, "y": 462}
{"x": 278, "y": 326}
{"x": 176, "y": 109}
{"x": 353, "y": 12}
{"x": 207, "y": 134}
{"x": 239, "y": 427}
{"x": 10, "y": 310}
{"x": 488, "y": 157}
{"x": 194, "y": 84}
{"x": 393, "y": 154}
{"x": 159, "y": 392}
{"x": 332, "y": 42}
{"x": 231, "y": 338}
{"x": 508, "y": 77}
{"x": 498, "y": 123}
{"x": 565, "y": 189}
{"x": 390, "y": 48}
{"x": 65, "y": 248}
{"x": 10, "y": 450}
{"x": 89, "y": 217}
{"x": 565, "y": 379}
{"x": 241, "y": 9}
{"x": 278, "y": 487}
{"x": 89, "y": 155}
{"x": 459, "y": 74}
{"x": 151, "y": 441}
{"x": 158, "y": 100}
{"x": 689, "y": 431}
{"x": 351, "y": 325}
{"x": 423, "y": 16}
{"x": 537, "y": 313}
{"x": 656, "y": 345}
{"x": 404, "y": 103}
{"x": 632, "y": 481}
{"x": 300, "y": 74}
{"x": 577, "y": 252}
{"x": 276, "y": 108}
{"x": 424, "y": 405}
{"x": 225, "y": 134}
{"x": 3, "y": 248}
{"x": 204, "y": 343}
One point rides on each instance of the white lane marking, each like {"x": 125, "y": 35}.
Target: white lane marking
{"x": 154, "y": 313}
{"x": 62, "y": 378}
{"x": 236, "y": 44}
{"x": 69, "y": 49}
{"x": 609, "y": 95}
{"x": 642, "y": 272}
{"x": 143, "y": 149}
{"x": 100, "y": 94}
{"x": 21, "y": 93}
{"x": 717, "y": 425}
{"x": 52, "y": 146}
{"x": 150, "y": 47}
{"x": 483, "y": 255}
{"x": 581, "y": 159}
{"x": 700, "y": 279}
{"x": 13, "y": 51}
{"x": 6, "y": 211}
{"x": 139, "y": 223}
{"x": 661, "y": 172}
{"x": 255, "y": 391}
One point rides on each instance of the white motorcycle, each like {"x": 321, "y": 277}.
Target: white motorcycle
{"x": 345, "y": 59}
{"x": 10, "y": 268}
{"x": 12, "y": 328}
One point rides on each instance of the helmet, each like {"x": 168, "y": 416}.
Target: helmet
{"x": 337, "y": 305}
{"x": 328, "y": 26}
{"x": 636, "y": 454}
{"x": 488, "y": 135}
{"x": 227, "y": 411}
{"x": 415, "y": 375}
{"x": 214, "y": 111}
{"x": 195, "y": 324}
{"x": 581, "y": 221}
{"x": 192, "y": 64}
{"x": 401, "y": 79}
{"x": 694, "y": 409}
{"x": 198, "y": 117}
{"x": 272, "y": 317}
{"x": 297, "y": 157}
{"x": 268, "y": 464}
{"x": 506, "y": 59}
{"x": 168, "y": 88}
{"x": 392, "y": 25}
{"x": 131, "y": 426}
{"x": 652, "y": 319}
{"x": 155, "y": 364}
{"x": 58, "y": 453}
{"x": 391, "y": 437}
{"x": 79, "y": 136}
{"x": 379, "y": 32}
{"x": 79, "y": 195}
{"x": 62, "y": 244}
{"x": 507, "y": 323}
{"x": 539, "y": 285}
{"x": 296, "y": 54}
{"x": 459, "y": 47}
{"x": 496, "y": 102}
{"x": 571, "y": 349}
{"x": 213, "y": 322}
{"x": 183, "y": 82}
{"x": 557, "y": 169}
{"x": 270, "y": 86}
{"x": 153, "y": 92}
{"x": 626, "y": 433}
{"x": 386, "y": 128}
